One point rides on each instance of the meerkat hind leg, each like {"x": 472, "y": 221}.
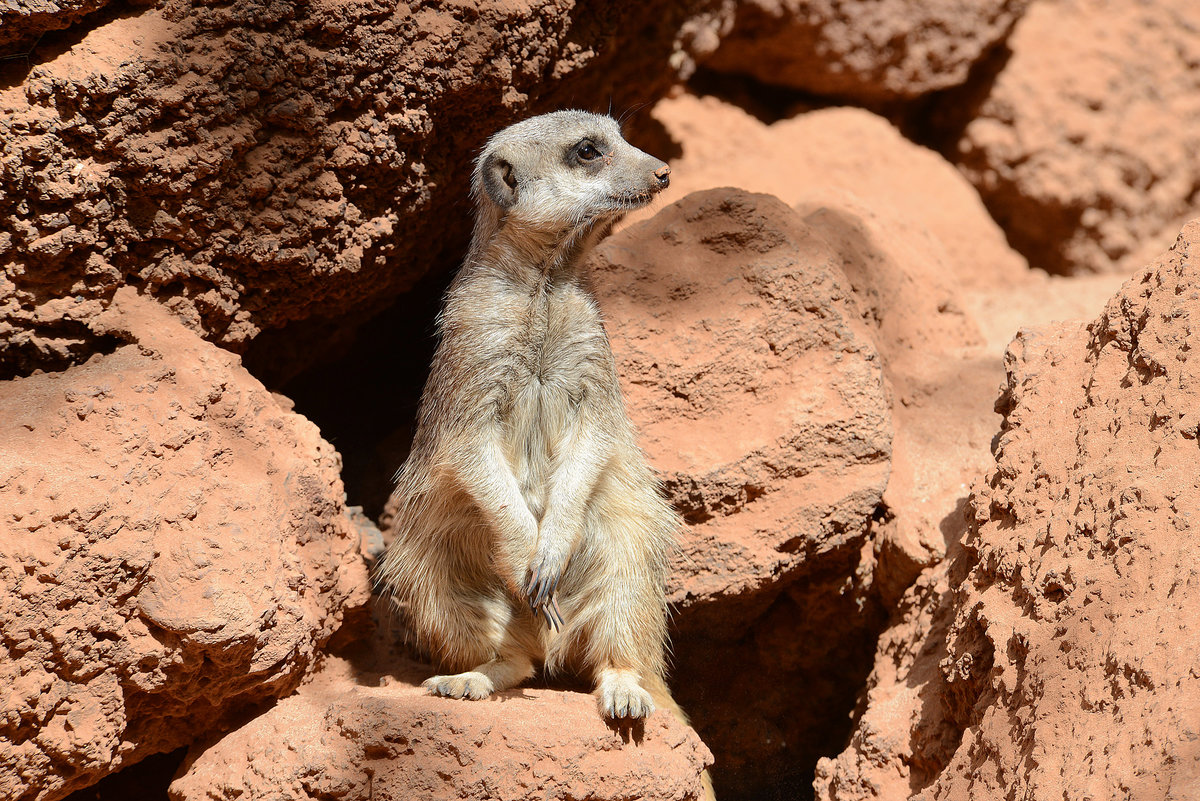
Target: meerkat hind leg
{"x": 492, "y": 676}
{"x": 622, "y": 695}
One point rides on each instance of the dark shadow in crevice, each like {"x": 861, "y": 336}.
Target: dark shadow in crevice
{"x": 72, "y": 343}
{"x": 769, "y": 104}
{"x": 364, "y": 388}
{"x": 146, "y": 780}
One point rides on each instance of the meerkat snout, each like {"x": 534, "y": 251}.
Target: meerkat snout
{"x": 567, "y": 168}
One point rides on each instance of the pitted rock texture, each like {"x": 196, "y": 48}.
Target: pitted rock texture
{"x": 1084, "y": 147}
{"x": 1046, "y": 660}
{"x": 760, "y": 399}
{"x": 866, "y": 52}
{"x": 174, "y": 550}
{"x": 1070, "y": 661}
{"x": 258, "y": 162}
{"x": 358, "y": 735}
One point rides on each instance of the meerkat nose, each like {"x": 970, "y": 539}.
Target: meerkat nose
{"x": 663, "y": 174}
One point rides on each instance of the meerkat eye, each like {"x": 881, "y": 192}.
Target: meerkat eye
{"x": 588, "y": 152}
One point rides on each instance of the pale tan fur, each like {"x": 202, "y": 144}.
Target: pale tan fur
{"x": 529, "y": 529}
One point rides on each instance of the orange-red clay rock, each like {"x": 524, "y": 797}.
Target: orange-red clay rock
{"x": 174, "y": 549}
{"x": 759, "y": 397}
{"x": 256, "y": 163}
{"x": 1053, "y": 659}
{"x": 866, "y": 52}
{"x": 1072, "y": 659}
{"x": 359, "y": 735}
{"x": 1084, "y": 147}
{"x": 756, "y": 390}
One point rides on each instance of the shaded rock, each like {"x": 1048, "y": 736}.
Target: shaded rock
{"x": 175, "y": 551}
{"x": 1084, "y": 147}
{"x": 759, "y": 398}
{"x": 866, "y": 52}
{"x": 23, "y": 22}
{"x": 354, "y": 733}
{"x": 257, "y": 163}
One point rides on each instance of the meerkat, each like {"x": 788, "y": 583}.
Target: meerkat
{"x": 528, "y": 527}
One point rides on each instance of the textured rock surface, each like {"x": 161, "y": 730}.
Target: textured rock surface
{"x": 1070, "y": 658}
{"x": 760, "y": 400}
{"x": 867, "y": 52}
{"x": 356, "y": 734}
{"x": 758, "y": 396}
{"x": 1085, "y": 146}
{"x": 174, "y": 551}
{"x": 1047, "y": 660}
{"x": 915, "y": 243}
{"x": 842, "y": 156}
{"x": 255, "y": 163}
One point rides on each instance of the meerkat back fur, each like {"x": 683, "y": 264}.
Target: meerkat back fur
{"x": 528, "y": 527}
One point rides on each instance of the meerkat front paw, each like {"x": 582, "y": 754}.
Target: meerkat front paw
{"x": 621, "y": 696}
{"x": 472, "y": 684}
{"x": 544, "y": 575}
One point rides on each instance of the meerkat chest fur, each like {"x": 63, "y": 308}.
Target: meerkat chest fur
{"x": 556, "y": 376}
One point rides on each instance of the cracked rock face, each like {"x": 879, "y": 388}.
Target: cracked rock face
{"x": 866, "y": 52}
{"x": 1084, "y": 147}
{"x": 256, "y": 163}
{"x": 175, "y": 550}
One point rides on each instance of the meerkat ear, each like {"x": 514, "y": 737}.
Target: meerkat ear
{"x": 499, "y": 180}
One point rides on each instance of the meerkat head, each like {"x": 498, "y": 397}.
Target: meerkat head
{"x": 565, "y": 171}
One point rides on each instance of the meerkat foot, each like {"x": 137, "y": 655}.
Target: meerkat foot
{"x": 490, "y": 677}
{"x": 472, "y": 684}
{"x": 622, "y": 696}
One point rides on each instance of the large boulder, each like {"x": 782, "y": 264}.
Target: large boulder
{"x": 365, "y": 732}
{"x": 1047, "y": 655}
{"x": 257, "y": 163}
{"x": 760, "y": 400}
{"x": 175, "y": 550}
{"x": 1066, "y": 660}
{"x": 866, "y": 52}
{"x": 1084, "y": 147}
{"x": 839, "y": 156}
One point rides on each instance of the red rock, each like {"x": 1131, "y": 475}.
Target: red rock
{"x": 759, "y": 398}
{"x": 175, "y": 550}
{"x": 1084, "y": 147}
{"x": 255, "y": 164}
{"x": 353, "y": 733}
{"x": 866, "y": 52}
{"x": 843, "y": 156}
{"x": 1044, "y": 660}
{"x": 756, "y": 391}
{"x": 1065, "y": 662}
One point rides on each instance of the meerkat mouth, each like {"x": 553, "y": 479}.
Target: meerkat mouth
{"x": 631, "y": 201}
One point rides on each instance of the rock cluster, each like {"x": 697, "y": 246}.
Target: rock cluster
{"x": 888, "y": 582}
{"x": 174, "y": 552}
